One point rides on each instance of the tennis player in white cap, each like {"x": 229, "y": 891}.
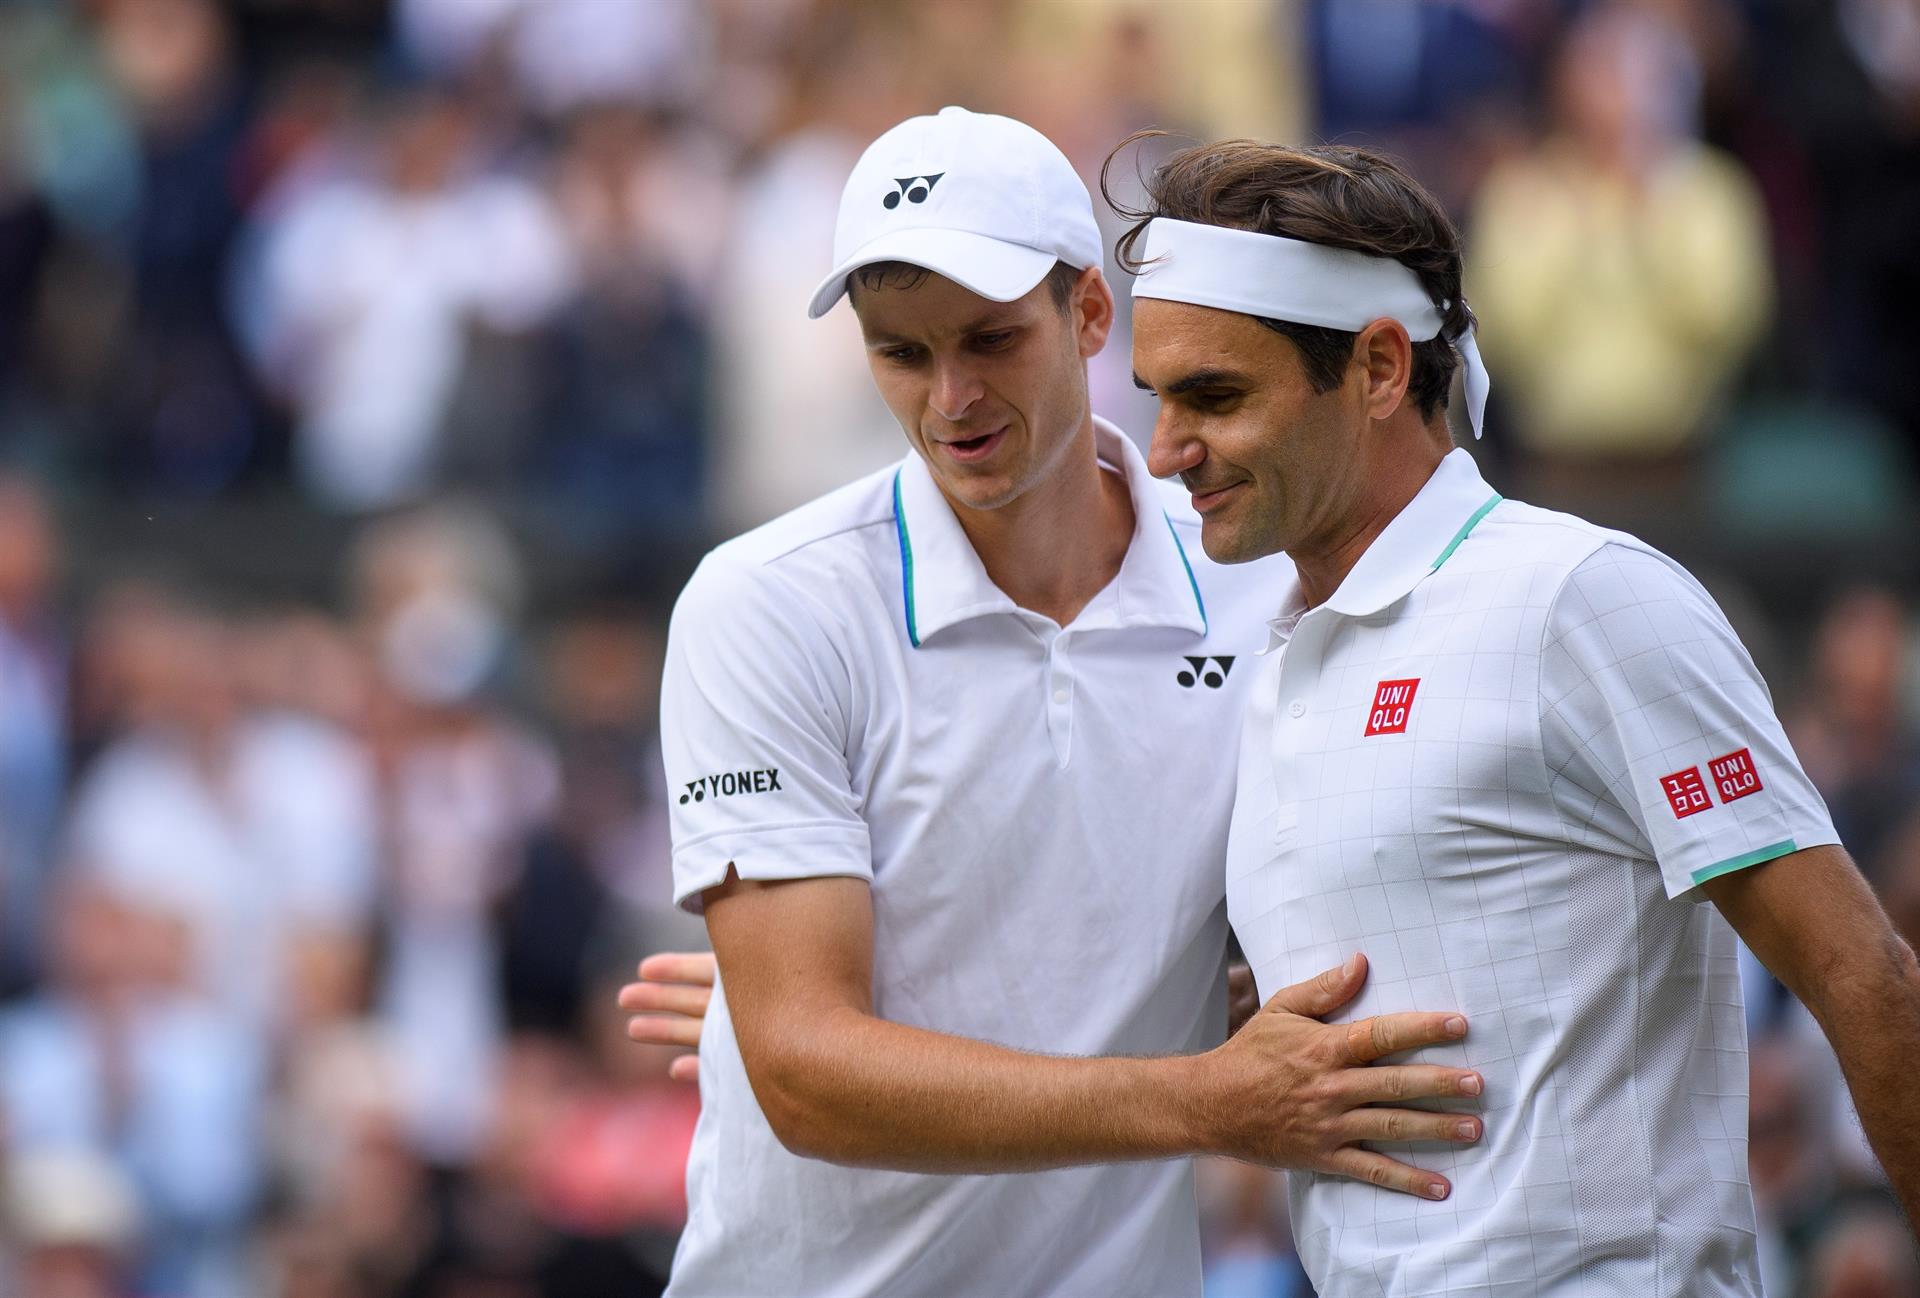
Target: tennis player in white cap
{"x": 1507, "y": 752}
{"x": 951, "y": 761}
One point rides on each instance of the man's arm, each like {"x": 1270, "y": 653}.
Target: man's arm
{"x": 838, "y": 1083}
{"x": 672, "y": 989}
{"x": 1815, "y": 923}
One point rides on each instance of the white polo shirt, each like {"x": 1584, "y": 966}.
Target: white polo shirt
{"x": 1042, "y": 814}
{"x": 1499, "y": 760}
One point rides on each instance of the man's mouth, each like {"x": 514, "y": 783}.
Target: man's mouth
{"x": 1207, "y": 498}
{"x": 974, "y": 448}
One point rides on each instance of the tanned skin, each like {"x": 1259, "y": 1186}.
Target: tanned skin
{"x": 1008, "y": 380}
{"x": 1276, "y": 466}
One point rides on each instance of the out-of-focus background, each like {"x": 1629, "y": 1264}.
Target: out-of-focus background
{"x": 372, "y": 372}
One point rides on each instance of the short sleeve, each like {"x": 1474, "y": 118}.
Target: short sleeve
{"x": 1659, "y": 735}
{"x": 754, "y": 711}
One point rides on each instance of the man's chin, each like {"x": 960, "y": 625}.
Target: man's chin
{"x": 1225, "y": 542}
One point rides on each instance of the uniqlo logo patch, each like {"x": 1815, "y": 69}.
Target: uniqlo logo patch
{"x": 1392, "y": 702}
{"x": 1686, "y": 792}
{"x": 1735, "y": 775}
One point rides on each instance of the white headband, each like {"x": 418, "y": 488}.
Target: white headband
{"x": 1305, "y": 283}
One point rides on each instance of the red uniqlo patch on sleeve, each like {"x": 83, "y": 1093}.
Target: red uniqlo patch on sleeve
{"x": 1392, "y": 702}
{"x": 1735, "y": 775}
{"x": 1686, "y": 792}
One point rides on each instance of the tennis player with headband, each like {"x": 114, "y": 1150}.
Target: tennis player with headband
{"x": 1505, "y": 751}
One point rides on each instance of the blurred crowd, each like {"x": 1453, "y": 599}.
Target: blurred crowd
{"x": 371, "y": 372}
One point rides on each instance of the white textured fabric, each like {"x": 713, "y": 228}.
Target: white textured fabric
{"x": 1278, "y": 278}
{"x": 1042, "y": 812}
{"x": 1505, "y": 843}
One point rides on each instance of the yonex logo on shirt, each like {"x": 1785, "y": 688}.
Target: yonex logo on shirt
{"x": 728, "y": 783}
{"x": 915, "y": 188}
{"x": 1392, "y": 704}
{"x": 1734, "y": 775}
{"x": 1202, "y": 673}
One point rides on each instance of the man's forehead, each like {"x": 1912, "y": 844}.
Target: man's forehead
{"x": 906, "y": 299}
{"x": 1180, "y": 335}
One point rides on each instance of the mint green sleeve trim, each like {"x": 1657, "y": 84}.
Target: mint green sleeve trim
{"x": 1741, "y": 862}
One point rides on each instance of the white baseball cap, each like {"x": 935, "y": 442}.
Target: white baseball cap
{"x": 986, "y": 201}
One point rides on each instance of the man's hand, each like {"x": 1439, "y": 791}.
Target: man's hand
{"x": 669, "y": 1005}
{"x": 1293, "y": 1092}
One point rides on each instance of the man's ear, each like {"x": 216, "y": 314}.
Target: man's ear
{"x": 1092, "y": 308}
{"x": 1385, "y": 354}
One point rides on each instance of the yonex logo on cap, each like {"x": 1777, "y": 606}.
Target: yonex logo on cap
{"x": 914, "y": 188}
{"x": 1392, "y": 704}
{"x": 1200, "y": 672}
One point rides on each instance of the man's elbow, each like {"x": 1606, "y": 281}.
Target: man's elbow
{"x": 795, "y": 1089}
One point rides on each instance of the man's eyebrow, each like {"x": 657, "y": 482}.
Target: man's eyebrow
{"x": 1197, "y": 379}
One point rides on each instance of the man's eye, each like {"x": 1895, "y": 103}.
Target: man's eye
{"x": 900, "y": 355}
{"x": 1215, "y": 402}
{"x": 998, "y": 338}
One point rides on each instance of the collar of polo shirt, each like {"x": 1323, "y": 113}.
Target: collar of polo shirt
{"x": 1421, "y": 538}
{"x": 943, "y": 581}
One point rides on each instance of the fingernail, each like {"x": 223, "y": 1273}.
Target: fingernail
{"x": 1438, "y": 1190}
{"x": 1470, "y": 1085}
{"x": 1456, "y": 1026}
{"x": 1352, "y": 966}
{"x": 1465, "y": 1131}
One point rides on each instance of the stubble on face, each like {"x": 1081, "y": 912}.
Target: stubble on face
{"x": 1266, "y": 457}
{"x": 989, "y": 393}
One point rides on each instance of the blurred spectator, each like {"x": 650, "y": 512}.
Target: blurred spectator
{"x": 1620, "y": 268}
{"x": 1248, "y": 1243}
{"x": 254, "y": 828}
{"x": 119, "y": 1057}
{"x": 463, "y": 786}
{"x": 181, "y": 413}
{"x": 371, "y": 283}
{"x": 1854, "y": 725}
{"x": 32, "y": 722}
{"x": 72, "y": 1221}
{"x": 1868, "y": 1253}
{"x": 795, "y": 406}
{"x": 623, "y": 407}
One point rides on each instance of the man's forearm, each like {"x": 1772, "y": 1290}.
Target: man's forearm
{"x": 1869, "y": 1005}
{"x": 859, "y": 1090}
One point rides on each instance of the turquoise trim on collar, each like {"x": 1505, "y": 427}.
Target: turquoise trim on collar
{"x": 1198, "y": 603}
{"x": 906, "y": 561}
{"x": 1465, "y": 527}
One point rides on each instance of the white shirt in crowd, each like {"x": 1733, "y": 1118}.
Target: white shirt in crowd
{"x": 1041, "y": 812}
{"x": 1500, "y": 759}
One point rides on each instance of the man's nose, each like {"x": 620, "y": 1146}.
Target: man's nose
{"x": 955, "y": 389}
{"x": 1171, "y": 451}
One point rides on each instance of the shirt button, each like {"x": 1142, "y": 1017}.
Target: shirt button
{"x": 1059, "y": 696}
{"x": 1296, "y": 709}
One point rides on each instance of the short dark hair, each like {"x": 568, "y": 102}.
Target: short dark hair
{"x": 1336, "y": 195}
{"x": 903, "y": 274}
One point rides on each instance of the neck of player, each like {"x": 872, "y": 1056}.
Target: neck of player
{"x": 1057, "y": 546}
{"x": 1394, "y": 463}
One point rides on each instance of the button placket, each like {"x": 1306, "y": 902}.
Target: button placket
{"x": 1059, "y": 688}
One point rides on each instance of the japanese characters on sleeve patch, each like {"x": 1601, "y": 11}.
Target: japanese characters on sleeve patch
{"x": 1734, "y": 776}
{"x": 1686, "y": 793}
